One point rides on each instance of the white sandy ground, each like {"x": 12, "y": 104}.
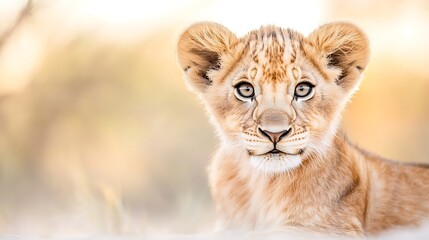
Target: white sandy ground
{"x": 421, "y": 233}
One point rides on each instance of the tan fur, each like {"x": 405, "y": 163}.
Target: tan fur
{"x": 319, "y": 181}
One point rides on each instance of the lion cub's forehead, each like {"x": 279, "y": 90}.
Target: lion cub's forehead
{"x": 273, "y": 53}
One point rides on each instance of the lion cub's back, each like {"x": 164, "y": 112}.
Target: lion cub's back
{"x": 399, "y": 195}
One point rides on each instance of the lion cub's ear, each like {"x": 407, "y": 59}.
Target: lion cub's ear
{"x": 199, "y": 50}
{"x": 344, "y": 47}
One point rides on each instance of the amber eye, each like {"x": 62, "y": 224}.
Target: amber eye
{"x": 303, "y": 89}
{"x": 245, "y": 90}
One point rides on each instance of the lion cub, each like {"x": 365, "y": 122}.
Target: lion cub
{"x": 275, "y": 98}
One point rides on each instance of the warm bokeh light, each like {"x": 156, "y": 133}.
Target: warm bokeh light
{"x": 99, "y": 135}
{"x": 242, "y": 16}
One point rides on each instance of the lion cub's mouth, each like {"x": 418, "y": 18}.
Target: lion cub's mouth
{"x": 275, "y": 151}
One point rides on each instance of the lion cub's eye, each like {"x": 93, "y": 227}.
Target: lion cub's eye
{"x": 303, "y": 90}
{"x": 244, "y": 90}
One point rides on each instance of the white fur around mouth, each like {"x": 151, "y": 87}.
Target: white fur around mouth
{"x": 275, "y": 162}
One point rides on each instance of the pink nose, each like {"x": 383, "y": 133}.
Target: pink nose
{"x": 274, "y": 136}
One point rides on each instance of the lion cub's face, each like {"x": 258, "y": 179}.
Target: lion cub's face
{"x": 274, "y": 93}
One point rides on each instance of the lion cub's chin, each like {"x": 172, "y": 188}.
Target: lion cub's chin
{"x": 275, "y": 162}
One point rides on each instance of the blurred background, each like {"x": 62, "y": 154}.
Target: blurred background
{"x": 98, "y": 134}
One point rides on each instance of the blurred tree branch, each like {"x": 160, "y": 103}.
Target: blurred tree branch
{"x": 25, "y": 12}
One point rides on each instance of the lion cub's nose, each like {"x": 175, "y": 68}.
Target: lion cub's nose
{"x": 274, "y": 136}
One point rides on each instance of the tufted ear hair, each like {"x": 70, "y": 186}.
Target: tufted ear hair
{"x": 344, "y": 48}
{"x": 199, "y": 50}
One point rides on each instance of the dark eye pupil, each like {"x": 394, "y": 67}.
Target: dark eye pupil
{"x": 245, "y": 90}
{"x": 303, "y": 90}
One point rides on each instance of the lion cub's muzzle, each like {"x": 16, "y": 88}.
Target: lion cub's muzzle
{"x": 275, "y": 133}
{"x": 274, "y": 125}
{"x": 275, "y": 145}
